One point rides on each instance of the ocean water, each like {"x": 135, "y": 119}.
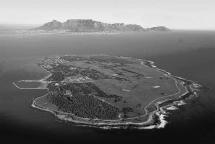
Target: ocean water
{"x": 189, "y": 54}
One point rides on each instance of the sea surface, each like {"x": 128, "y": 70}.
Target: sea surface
{"x": 188, "y": 54}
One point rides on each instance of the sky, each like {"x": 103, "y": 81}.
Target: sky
{"x": 175, "y": 14}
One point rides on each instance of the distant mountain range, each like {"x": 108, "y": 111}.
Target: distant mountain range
{"x": 89, "y": 25}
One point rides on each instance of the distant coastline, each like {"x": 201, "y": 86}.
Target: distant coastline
{"x": 92, "y": 26}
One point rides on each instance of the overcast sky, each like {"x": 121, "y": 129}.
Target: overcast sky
{"x": 178, "y": 14}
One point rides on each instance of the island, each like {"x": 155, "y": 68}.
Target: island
{"x": 108, "y": 92}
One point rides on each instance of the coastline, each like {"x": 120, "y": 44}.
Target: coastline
{"x": 160, "y": 111}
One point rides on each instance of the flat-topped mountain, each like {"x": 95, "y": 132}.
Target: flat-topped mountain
{"x": 89, "y": 25}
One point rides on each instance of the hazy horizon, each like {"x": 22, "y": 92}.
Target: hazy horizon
{"x": 177, "y": 14}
